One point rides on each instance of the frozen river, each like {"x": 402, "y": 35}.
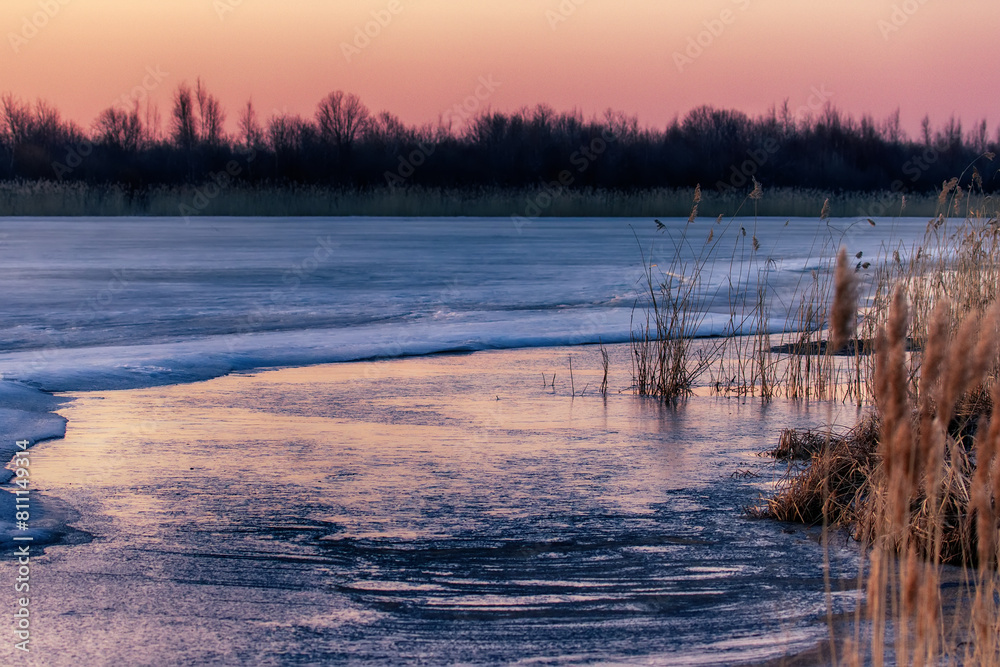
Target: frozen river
{"x": 114, "y": 303}
{"x": 397, "y": 512}
{"x": 431, "y": 509}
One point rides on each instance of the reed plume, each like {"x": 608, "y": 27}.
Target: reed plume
{"x": 845, "y": 303}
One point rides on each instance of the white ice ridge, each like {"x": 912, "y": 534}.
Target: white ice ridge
{"x": 25, "y": 415}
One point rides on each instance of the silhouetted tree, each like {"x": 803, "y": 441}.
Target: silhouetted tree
{"x": 386, "y": 129}
{"x": 211, "y": 116}
{"x": 892, "y": 132}
{"x": 185, "y": 129}
{"x": 251, "y": 132}
{"x": 17, "y": 119}
{"x": 345, "y": 144}
{"x": 119, "y": 130}
{"x": 341, "y": 118}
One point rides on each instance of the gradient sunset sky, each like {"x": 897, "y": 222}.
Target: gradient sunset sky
{"x": 930, "y": 57}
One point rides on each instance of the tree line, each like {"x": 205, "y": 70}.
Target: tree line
{"x": 345, "y": 144}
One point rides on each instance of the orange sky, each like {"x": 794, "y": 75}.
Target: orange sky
{"x": 584, "y": 54}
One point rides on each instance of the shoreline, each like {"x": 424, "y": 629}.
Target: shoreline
{"x": 59, "y": 515}
{"x": 523, "y": 404}
{"x": 58, "y": 198}
{"x": 28, "y": 414}
{"x": 197, "y": 359}
{"x": 39, "y": 420}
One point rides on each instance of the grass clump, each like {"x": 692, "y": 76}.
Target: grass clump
{"x": 917, "y": 480}
{"x": 833, "y": 484}
{"x": 666, "y": 364}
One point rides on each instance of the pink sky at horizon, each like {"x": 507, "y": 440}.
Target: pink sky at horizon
{"x": 867, "y": 56}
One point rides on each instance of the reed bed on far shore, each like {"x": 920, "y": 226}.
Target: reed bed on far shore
{"x": 74, "y": 198}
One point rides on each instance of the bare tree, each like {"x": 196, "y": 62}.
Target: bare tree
{"x": 185, "y": 131}
{"x": 787, "y": 119}
{"x": 892, "y": 130}
{"x": 831, "y": 118}
{"x": 386, "y": 129}
{"x": 152, "y": 133}
{"x": 210, "y": 114}
{"x": 18, "y": 122}
{"x": 285, "y": 133}
{"x": 925, "y": 130}
{"x": 47, "y": 126}
{"x": 978, "y": 137}
{"x": 119, "y": 129}
{"x": 622, "y": 126}
{"x": 951, "y": 134}
{"x": 286, "y": 136}
{"x": 341, "y": 118}
{"x": 869, "y": 129}
{"x": 212, "y": 123}
{"x": 250, "y": 130}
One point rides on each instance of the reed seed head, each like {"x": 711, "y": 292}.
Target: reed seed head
{"x": 935, "y": 349}
{"x": 845, "y": 302}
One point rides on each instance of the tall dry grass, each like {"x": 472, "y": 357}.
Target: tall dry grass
{"x": 917, "y": 481}
{"x": 666, "y": 363}
{"x": 827, "y": 353}
{"x": 746, "y": 359}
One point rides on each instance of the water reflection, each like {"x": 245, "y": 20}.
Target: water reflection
{"x": 445, "y": 509}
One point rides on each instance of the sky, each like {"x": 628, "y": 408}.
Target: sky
{"x": 431, "y": 60}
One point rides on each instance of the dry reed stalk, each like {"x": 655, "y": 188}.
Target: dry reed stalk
{"x": 694, "y": 209}
{"x": 896, "y": 441}
{"x": 605, "y": 362}
{"x": 924, "y": 489}
{"x": 845, "y": 302}
{"x": 982, "y": 501}
{"x": 961, "y": 371}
